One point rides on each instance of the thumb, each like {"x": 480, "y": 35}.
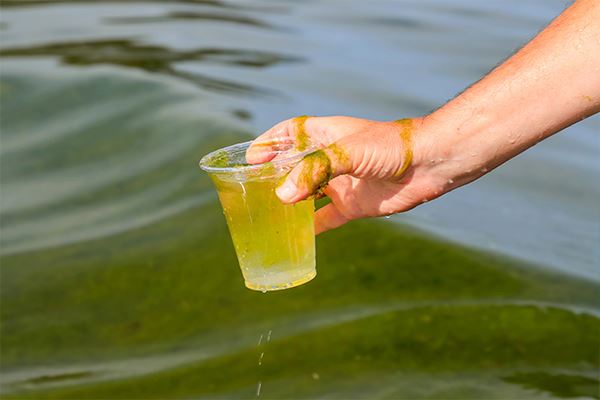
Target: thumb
{"x": 314, "y": 172}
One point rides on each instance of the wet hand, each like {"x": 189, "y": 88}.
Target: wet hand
{"x": 367, "y": 168}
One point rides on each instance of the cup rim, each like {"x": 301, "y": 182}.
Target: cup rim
{"x": 247, "y": 168}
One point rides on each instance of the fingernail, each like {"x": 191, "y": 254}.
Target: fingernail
{"x": 286, "y": 191}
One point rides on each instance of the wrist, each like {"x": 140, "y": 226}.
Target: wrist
{"x": 453, "y": 146}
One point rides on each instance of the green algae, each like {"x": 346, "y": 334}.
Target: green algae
{"x": 316, "y": 172}
{"x": 150, "y": 293}
{"x": 221, "y": 159}
{"x": 302, "y": 138}
{"x": 406, "y": 131}
{"x": 317, "y": 169}
{"x": 342, "y": 158}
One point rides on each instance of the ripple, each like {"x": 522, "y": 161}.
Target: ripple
{"x": 559, "y": 384}
{"x": 60, "y": 377}
{"x": 193, "y": 16}
{"x": 272, "y": 8}
{"x": 79, "y": 168}
{"x": 221, "y": 344}
{"x": 157, "y": 59}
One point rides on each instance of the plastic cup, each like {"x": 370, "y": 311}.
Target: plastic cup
{"x": 274, "y": 242}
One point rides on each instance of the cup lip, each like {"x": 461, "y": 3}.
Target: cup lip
{"x": 251, "y": 167}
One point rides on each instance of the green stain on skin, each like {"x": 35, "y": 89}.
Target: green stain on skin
{"x": 302, "y": 139}
{"x": 406, "y": 128}
{"x": 316, "y": 172}
{"x": 340, "y": 155}
{"x": 317, "y": 168}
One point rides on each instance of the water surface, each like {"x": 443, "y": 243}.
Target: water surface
{"x": 118, "y": 276}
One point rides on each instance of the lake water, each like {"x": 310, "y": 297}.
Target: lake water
{"x": 119, "y": 279}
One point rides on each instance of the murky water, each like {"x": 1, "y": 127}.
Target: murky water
{"x": 119, "y": 279}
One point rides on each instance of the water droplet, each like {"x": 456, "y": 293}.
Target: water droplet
{"x": 424, "y": 200}
{"x": 315, "y": 376}
{"x": 483, "y": 169}
{"x": 269, "y": 336}
{"x": 258, "y": 388}
{"x": 387, "y": 217}
{"x": 264, "y": 290}
{"x": 511, "y": 141}
{"x": 432, "y": 161}
{"x": 450, "y": 181}
{"x": 473, "y": 154}
{"x": 260, "y": 340}
{"x": 260, "y": 358}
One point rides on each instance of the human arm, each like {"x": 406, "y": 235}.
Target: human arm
{"x": 378, "y": 168}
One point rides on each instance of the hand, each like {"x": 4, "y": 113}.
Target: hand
{"x": 367, "y": 168}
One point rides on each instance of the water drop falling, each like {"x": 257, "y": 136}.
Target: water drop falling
{"x": 260, "y": 340}
{"x": 315, "y": 376}
{"x": 260, "y": 358}
{"x": 269, "y": 336}
{"x": 258, "y": 389}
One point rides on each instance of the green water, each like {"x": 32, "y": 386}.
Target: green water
{"x": 400, "y": 317}
{"x": 118, "y": 276}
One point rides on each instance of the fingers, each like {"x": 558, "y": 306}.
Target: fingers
{"x": 314, "y": 172}
{"x": 265, "y": 147}
{"x": 328, "y": 217}
{"x": 292, "y": 134}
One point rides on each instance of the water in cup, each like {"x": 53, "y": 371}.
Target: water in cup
{"x": 274, "y": 242}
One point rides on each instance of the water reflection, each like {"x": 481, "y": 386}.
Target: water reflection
{"x": 45, "y": 379}
{"x": 226, "y": 5}
{"x": 560, "y": 385}
{"x": 157, "y": 59}
{"x": 193, "y": 16}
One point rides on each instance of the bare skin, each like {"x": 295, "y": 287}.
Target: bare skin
{"x": 371, "y": 168}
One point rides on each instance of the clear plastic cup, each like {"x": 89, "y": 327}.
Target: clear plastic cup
{"x": 274, "y": 242}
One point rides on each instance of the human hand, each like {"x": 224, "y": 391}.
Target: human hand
{"x": 367, "y": 168}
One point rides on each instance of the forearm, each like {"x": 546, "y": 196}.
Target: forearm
{"x": 551, "y": 83}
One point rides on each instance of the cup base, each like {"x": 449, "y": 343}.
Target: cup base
{"x": 280, "y": 286}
